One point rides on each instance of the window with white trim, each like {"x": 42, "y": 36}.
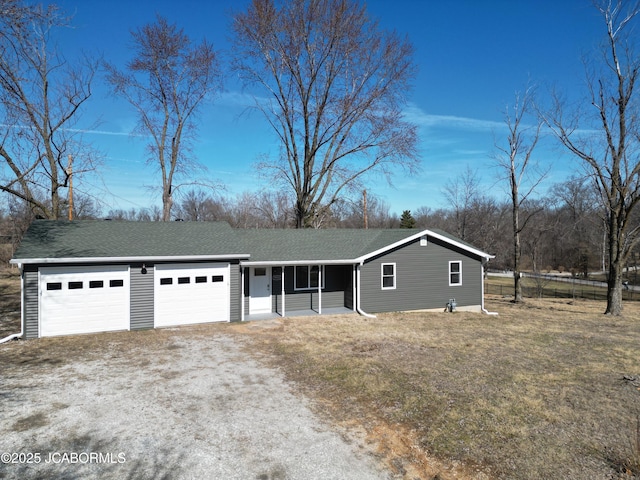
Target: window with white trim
{"x": 306, "y": 276}
{"x": 388, "y": 276}
{"x": 455, "y": 273}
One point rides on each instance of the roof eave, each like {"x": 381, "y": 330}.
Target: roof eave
{"x": 278, "y": 263}
{"x": 149, "y": 258}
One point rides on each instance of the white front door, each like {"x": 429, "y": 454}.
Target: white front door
{"x": 260, "y": 290}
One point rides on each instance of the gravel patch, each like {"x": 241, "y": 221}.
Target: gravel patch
{"x": 189, "y": 407}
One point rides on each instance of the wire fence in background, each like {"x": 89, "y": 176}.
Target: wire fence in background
{"x": 545, "y": 287}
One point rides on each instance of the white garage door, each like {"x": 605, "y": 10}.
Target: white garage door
{"x": 191, "y": 293}
{"x": 83, "y": 299}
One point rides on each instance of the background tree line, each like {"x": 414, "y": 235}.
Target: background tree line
{"x": 568, "y": 233}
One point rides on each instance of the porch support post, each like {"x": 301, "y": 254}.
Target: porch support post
{"x": 353, "y": 287}
{"x": 241, "y": 293}
{"x": 282, "y": 290}
{"x": 319, "y": 289}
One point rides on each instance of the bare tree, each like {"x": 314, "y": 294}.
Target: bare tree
{"x": 461, "y": 191}
{"x": 610, "y": 148}
{"x": 578, "y": 225}
{"x": 198, "y": 206}
{"x": 350, "y": 214}
{"x": 41, "y": 96}
{"x": 521, "y": 172}
{"x": 166, "y": 83}
{"x": 335, "y": 85}
{"x": 275, "y": 208}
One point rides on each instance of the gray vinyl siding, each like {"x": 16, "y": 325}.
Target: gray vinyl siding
{"x": 141, "y": 304}
{"x": 30, "y": 302}
{"x": 422, "y": 279}
{"x": 234, "y": 292}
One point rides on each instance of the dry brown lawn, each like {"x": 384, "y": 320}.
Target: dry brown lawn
{"x": 548, "y": 389}
{"x": 9, "y": 301}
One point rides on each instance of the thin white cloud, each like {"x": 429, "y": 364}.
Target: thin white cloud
{"x": 77, "y": 130}
{"x": 101, "y": 132}
{"x": 236, "y": 98}
{"x": 419, "y": 117}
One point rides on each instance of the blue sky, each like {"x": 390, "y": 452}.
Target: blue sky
{"x": 472, "y": 56}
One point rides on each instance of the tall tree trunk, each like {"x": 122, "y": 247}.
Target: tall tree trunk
{"x": 616, "y": 266}
{"x": 300, "y": 214}
{"x": 517, "y": 284}
{"x": 167, "y": 203}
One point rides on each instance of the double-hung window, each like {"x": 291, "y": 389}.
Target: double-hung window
{"x": 455, "y": 273}
{"x": 388, "y": 276}
{"x": 306, "y": 276}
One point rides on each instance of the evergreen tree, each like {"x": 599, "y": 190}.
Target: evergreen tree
{"x": 407, "y": 220}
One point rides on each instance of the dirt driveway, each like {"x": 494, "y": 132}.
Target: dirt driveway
{"x": 161, "y": 404}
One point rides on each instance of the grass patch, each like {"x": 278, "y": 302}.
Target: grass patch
{"x": 536, "y": 392}
{"x": 9, "y": 301}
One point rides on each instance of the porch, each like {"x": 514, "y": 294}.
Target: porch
{"x": 299, "y": 313}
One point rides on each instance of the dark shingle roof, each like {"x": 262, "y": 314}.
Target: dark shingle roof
{"x": 332, "y": 244}
{"x": 50, "y": 240}
{"x": 99, "y": 238}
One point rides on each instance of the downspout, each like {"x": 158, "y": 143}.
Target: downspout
{"x": 484, "y": 310}
{"x": 358, "y": 309}
{"x": 18, "y": 335}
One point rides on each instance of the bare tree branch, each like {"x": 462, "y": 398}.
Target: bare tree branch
{"x": 336, "y": 85}
{"x": 611, "y": 150}
{"x": 41, "y": 96}
{"x": 166, "y": 83}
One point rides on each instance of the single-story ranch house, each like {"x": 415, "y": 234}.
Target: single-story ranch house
{"x": 96, "y": 276}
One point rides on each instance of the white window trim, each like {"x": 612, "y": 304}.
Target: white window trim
{"x": 308, "y": 287}
{"x": 382, "y": 276}
{"x": 459, "y": 272}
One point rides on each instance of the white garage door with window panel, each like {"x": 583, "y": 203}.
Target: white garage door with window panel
{"x": 191, "y": 293}
{"x": 83, "y": 299}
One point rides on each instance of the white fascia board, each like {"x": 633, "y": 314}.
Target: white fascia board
{"x": 422, "y": 233}
{"x": 275, "y": 263}
{"x": 399, "y": 243}
{"x": 462, "y": 246}
{"x": 177, "y": 258}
